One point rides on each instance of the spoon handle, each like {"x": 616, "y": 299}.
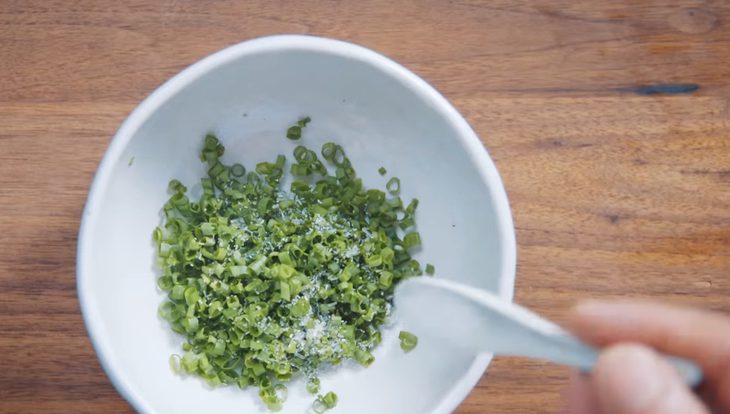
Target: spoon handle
{"x": 553, "y": 343}
{"x": 566, "y": 349}
{"x": 494, "y": 325}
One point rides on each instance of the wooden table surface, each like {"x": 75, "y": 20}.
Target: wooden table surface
{"x": 608, "y": 120}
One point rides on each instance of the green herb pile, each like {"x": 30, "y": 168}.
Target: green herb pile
{"x": 267, "y": 284}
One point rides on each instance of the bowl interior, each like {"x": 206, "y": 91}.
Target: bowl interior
{"x": 248, "y": 95}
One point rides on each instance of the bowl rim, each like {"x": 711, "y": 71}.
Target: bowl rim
{"x": 476, "y": 151}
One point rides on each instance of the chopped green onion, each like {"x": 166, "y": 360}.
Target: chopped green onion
{"x": 382, "y": 171}
{"x": 304, "y": 121}
{"x": 393, "y": 185}
{"x": 267, "y": 285}
{"x": 294, "y": 132}
{"x": 318, "y": 407}
{"x": 175, "y": 362}
{"x": 411, "y": 208}
{"x": 238, "y": 170}
{"x": 430, "y": 269}
{"x": 411, "y": 240}
{"x": 325, "y": 402}
{"x": 408, "y": 341}
{"x": 313, "y": 385}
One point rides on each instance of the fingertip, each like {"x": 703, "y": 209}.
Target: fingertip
{"x": 626, "y": 378}
{"x": 632, "y": 379}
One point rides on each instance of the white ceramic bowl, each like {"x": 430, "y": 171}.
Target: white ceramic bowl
{"x": 249, "y": 94}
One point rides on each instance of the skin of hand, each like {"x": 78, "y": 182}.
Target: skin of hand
{"x": 631, "y": 378}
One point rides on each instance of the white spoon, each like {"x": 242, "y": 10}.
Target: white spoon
{"x": 478, "y": 321}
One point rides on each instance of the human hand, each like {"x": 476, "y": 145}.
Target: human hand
{"x": 630, "y": 378}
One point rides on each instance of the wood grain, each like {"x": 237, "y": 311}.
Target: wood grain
{"x": 615, "y": 191}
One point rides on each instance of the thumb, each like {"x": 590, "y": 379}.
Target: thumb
{"x": 633, "y": 379}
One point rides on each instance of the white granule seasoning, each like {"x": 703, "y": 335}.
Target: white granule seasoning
{"x": 322, "y": 224}
{"x": 351, "y": 251}
{"x": 263, "y": 323}
{"x": 368, "y": 235}
{"x": 238, "y": 223}
{"x": 298, "y": 338}
{"x": 314, "y": 334}
{"x": 317, "y": 335}
{"x": 311, "y": 289}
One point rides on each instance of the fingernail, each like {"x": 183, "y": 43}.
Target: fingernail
{"x": 631, "y": 377}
